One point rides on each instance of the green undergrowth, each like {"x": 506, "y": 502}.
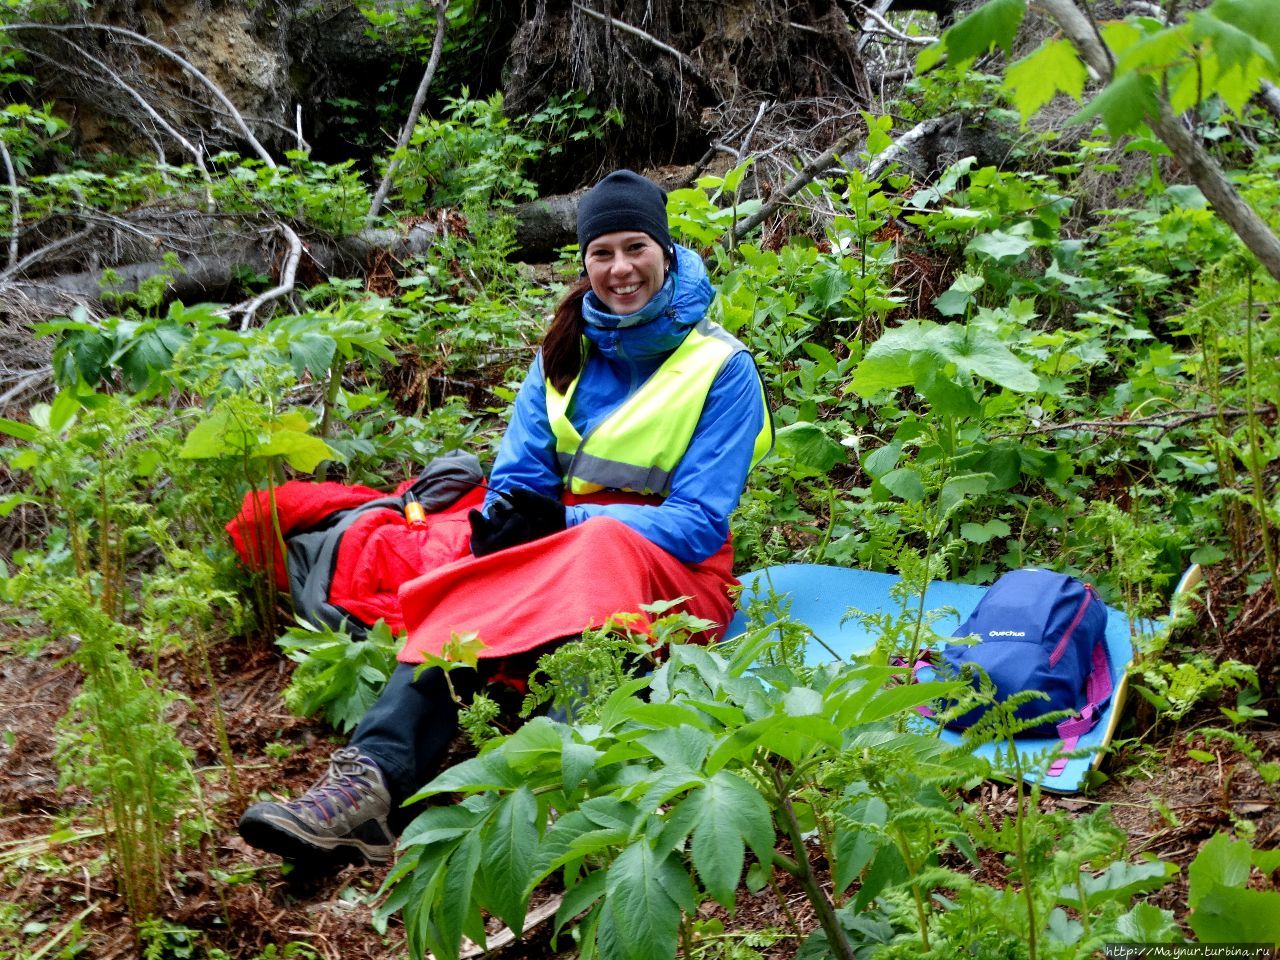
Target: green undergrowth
{"x": 995, "y": 369}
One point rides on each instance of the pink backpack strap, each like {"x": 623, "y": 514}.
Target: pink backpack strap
{"x": 915, "y": 677}
{"x": 1097, "y": 691}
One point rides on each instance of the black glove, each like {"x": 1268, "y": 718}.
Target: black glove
{"x": 519, "y": 516}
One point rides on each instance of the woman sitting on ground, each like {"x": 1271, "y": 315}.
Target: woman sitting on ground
{"x": 628, "y": 448}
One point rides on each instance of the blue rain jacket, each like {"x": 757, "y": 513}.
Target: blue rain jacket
{"x": 693, "y": 522}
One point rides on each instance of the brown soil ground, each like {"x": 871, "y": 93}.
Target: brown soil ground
{"x": 58, "y": 894}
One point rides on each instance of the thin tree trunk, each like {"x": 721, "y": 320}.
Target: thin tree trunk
{"x": 1201, "y": 168}
{"x": 419, "y": 99}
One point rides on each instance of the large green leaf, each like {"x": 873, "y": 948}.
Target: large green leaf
{"x": 829, "y": 287}
{"x": 905, "y": 483}
{"x": 486, "y": 772}
{"x": 1147, "y": 923}
{"x": 311, "y": 352}
{"x": 301, "y": 451}
{"x": 1036, "y": 79}
{"x": 1001, "y": 246}
{"x": 579, "y": 897}
{"x": 577, "y": 760}
{"x": 1255, "y": 19}
{"x": 981, "y": 352}
{"x": 1120, "y": 881}
{"x": 454, "y": 906}
{"x": 439, "y": 823}
{"x": 1221, "y": 861}
{"x": 994, "y": 24}
{"x": 557, "y": 844}
{"x": 639, "y": 909}
{"x": 957, "y": 489}
{"x": 1233, "y": 915}
{"x": 809, "y": 446}
{"x": 533, "y": 742}
{"x": 887, "y": 868}
{"x": 509, "y": 846}
{"x": 955, "y": 300}
{"x": 220, "y": 434}
{"x": 887, "y": 365}
{"x": 1123, "y": 104}
{"x": 883, "y": 459}
{"x": 679, "y": 746}
{"x": 934, "y": 378}
{"x": 730, "y": 814}
{"x": 147, "y": 350}
{"x": 855, "y": 847}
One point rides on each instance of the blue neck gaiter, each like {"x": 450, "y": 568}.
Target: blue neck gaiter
{"x": 597, "y": 315}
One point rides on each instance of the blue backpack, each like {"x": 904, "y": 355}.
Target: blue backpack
{"x": 1039, "y": 630}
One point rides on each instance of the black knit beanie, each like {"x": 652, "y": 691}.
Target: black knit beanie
{"x": 623, "y": 200}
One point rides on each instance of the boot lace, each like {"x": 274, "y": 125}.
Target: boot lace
{"x": 347, "y": 783}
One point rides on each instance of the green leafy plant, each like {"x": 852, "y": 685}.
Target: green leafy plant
{"x": 654, "y": 803}
{"x": 117, "y": 743}
{"x": 1223, "y": 908}
{"x": 337, "y": 675}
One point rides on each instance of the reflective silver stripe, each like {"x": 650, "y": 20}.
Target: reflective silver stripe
{"x": 622, "y": 476}
{"x": 716, "y": 332}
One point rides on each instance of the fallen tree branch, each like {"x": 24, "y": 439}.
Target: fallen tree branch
{"x": 33, "y": 379}
{"x": 207, "y": 273}
{"x": 212, "y": 87}
{"x": 891, "y": 153}
{"x": 14, "y": 269}
{"x": 751, "y": 130}
{"x": 1200, "y": 167}
{"x": 288, "y": 275}
{"x": 888, "y": 29}
{"x": 881, "y": 7}
{"x": 419, "y": 99}
{"x": 681, "y": 58}
{"x": 197, "y": 153}
{"x": 801, "y": 180}
{"x": 15, "y": 206}
{"x": 1163, "y": 422}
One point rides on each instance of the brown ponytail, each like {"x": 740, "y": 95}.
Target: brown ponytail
{"x": 562, "y": 357}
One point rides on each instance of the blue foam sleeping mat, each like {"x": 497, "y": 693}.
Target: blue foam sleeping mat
{"x": 820, "y": 596}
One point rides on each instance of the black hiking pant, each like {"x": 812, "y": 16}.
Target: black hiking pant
{"x": 408, "y": 730}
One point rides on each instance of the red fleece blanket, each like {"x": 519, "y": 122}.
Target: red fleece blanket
{"x": 520, "y": 598}
{"x": 423, "y": 578}
{"x": 378, "y": 553}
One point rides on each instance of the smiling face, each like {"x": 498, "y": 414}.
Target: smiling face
{"x": 626, "y": 269}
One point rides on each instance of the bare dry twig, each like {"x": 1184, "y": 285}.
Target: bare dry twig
{"x": 197, "y": 153}
{"x": 437, "y": 45}
{"x": 186, "y": 64}
{"x": 888, "y": 29}
{"x": 802, "y": 179}
{"x": 288, "y": 274}
{"x": 1163, "y": 422}
{"x": 15, "y": 207}
{"x": 15, "y": 269}
{"x": 681, "y": 58}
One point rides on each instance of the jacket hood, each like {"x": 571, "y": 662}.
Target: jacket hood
{"x": 691, "y": 295}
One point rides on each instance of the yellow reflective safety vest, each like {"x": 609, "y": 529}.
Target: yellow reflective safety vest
{"x": 638, "y": 446}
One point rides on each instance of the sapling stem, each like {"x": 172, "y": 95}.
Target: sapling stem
{"x": 837, "y": 938}
{"x": 1020, "y": 838}
{"x": 922, "y": 912}
{"x": 219, "y": 716}
{"x": 1255, "y": 449}
{"x": 330, "y": 400}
